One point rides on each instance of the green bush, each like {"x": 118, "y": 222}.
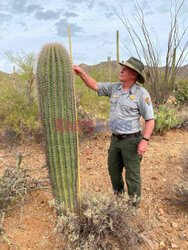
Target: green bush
{"x": 165, "y": 119}
{"x": 90, "y": 101}
{"x": 181, "y": 95}
{"x": 18, "y": 111}
{"x": 183, "y": 82}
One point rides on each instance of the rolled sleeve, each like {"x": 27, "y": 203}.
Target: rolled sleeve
{"x": 145, "y": 106}
{"x": 104, "y": 89}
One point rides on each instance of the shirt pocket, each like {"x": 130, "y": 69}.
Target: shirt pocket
{"x": 130, "y": 107}
{"x": 113, "y": 103}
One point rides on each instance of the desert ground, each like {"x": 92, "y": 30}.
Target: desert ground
{"x": 163, "y": 210}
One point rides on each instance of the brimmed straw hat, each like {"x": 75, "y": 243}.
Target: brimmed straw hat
{"x": 137, "y": 65}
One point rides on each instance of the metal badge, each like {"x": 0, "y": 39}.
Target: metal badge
{"x": 132, "y": 97}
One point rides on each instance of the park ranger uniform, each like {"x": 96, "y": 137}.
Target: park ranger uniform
{"x": 125, "y": 111}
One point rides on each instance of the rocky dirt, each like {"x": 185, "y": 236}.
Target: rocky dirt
{"x": 162, "y": 210}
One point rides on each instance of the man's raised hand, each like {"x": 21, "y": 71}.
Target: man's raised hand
{"x": 77, "y": 70}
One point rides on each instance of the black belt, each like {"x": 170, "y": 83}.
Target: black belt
{"x": 123, "y": 136}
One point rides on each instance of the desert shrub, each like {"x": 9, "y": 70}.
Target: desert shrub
{"x": 182, "y": 83}
{"x": 16, "y": 181}
{"x": 18, "y": 112}
{"x": 160, "y": 88}
{"x": 181, "y": 95}
{"x": 25, "y": 63}
{"x": 182, "y": 185}
{"x": 182, "y": 191}
{"x": 90, "y": 101}
{"x": 105, "y": 224}
{"x": 165, "y": 119}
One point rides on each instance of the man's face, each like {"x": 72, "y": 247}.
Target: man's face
{"x": 127, "y": 74}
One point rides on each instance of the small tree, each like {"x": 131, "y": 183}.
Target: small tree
{"x": 162, "y": 80}
{"x": 25, "y": 63}
{"x": 19, "y": 104}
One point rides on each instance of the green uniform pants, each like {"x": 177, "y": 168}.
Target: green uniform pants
{"x": 123, "y": 153}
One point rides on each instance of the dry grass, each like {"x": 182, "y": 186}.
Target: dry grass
{"x": 182, "y": 187}
{"x": 15, "y": 184}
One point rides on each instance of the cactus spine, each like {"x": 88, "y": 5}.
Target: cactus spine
{"x": 70, "y": 44}
{"x": 57, "y": 105}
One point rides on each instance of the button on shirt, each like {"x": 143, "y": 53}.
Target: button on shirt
{"x": 127, "y": 107}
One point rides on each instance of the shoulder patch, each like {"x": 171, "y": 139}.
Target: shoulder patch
{"x": 147, "y": 100}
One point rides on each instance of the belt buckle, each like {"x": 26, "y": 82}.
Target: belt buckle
{"x": 120, "y": 137}
{"x": 124, "y": 136}
{"x": 117, "y": 136}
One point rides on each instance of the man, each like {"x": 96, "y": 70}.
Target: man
{"x": 128, "y": 101}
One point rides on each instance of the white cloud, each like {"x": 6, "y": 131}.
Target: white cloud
{"x": 29, "y": 24}
{"x": 33, "y": 7}
{"x": 62, "y": 28}
{"x": 47, "y": 15}
{"x": 68, "y": 14}
{"x": 4, "y": 17}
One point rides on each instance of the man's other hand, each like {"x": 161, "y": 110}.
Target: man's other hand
{"x": 142, "y": 147}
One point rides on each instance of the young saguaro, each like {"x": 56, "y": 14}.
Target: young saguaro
{"x": 57, "y": 105}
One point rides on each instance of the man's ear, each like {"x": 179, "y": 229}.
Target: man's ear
{"x": 135, "y": 75}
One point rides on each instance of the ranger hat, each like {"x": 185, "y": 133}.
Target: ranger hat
{"x": 137, "y": 65}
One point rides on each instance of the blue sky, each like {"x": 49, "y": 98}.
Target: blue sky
{"x": 28, "y": 25}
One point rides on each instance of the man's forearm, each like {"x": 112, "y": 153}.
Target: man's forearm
{"x": 90, "y": 82}
{"x": 149, "y": 126}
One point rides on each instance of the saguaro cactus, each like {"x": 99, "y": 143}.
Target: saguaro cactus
{"x": 109, "y": 68}
{"x": 117, "y": 50}
{"x": 57, "y": 105}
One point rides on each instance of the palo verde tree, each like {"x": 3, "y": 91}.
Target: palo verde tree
{"x": 18, "y": 98}
{"x": 160, "y": 81}
{"x": 25, "y": 64}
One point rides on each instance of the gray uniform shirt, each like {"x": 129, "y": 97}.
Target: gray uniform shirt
{"x": 126, "y": 107}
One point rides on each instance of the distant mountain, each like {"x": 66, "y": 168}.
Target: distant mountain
{"x": 6, "y": 76}
{"x": 182, "y": 73}
{"x": 2, "y": 74}
{"x": 103, "y": 65}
